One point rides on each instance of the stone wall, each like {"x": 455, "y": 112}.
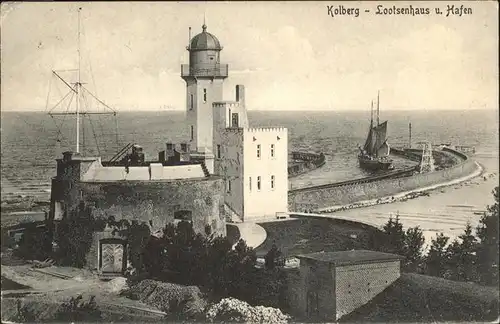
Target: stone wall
{"x": 304, "y": 162}
{"x": 310, "y": 291}
{"x": 322, "y": 197}
{"x": 155, "y": 202}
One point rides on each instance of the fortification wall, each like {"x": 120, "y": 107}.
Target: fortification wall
{"x": 155, "y": 202}
{"x": 322, "y": 197}
{"x": 304, "y": 162}
{"x": 155, "y": 171}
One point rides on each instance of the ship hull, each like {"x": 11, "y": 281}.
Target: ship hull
{"x": 375, "y": 164}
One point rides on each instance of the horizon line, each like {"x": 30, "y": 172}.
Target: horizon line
{"x": 274, "y": 110}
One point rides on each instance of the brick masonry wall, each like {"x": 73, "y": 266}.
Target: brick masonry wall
{"x": 313, "y": 279}
{"x": 325, "y": 197}
{"x": 355, "y": 285}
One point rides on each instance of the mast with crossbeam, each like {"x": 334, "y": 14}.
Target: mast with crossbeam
{"x": 77, "y": 89}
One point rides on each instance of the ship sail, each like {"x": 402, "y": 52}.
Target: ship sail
{"x": 370, "y": 141}
{"x": 375, "y": 152}
{"x": 376, "y": 141}
{"x": 384, "y": 149}
{"x": 381, "y": 131}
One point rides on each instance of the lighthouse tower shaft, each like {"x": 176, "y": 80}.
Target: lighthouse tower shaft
{"x": 204, "y": 77}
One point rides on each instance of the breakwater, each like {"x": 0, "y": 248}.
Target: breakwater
{"x": 302, "y": 162}
{"x": 442, "y": 159}
{"x": 348, "y": 192}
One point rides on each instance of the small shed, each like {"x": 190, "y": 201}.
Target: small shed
{"x": 333, "y": 284}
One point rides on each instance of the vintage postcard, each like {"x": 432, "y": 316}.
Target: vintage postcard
{"x": 254, "y": 162}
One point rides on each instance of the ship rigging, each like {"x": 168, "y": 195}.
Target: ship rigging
{"x": 374, "y": 155}
{"x": 77, "y": 101}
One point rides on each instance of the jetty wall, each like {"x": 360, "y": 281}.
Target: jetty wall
{"x": 353, "y": 191}
{"x": 303, "y": 162}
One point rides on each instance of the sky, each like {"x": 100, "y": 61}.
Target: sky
{"x": 289, "y": 55}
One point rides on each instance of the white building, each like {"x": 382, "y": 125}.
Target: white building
{"x": 253, "y": 161}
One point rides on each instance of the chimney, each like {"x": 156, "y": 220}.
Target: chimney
{"x": 185, "y": 148}
{"x": 240, "y": 94}
{"x": 169, "y": 152}
{"x": 67, "y": 156}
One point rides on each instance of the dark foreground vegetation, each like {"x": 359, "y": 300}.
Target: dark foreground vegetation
{"x": 180, "y": 257}
{"x": 470, "y": 258}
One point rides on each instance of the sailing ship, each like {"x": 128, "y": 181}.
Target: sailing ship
{"x": 374, "y": 155}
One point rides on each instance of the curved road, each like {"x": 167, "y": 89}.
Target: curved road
{"x": 253, "y": 234}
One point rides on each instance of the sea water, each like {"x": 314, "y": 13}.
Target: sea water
{"x": 28, "y": 149}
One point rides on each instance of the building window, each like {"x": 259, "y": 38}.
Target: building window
{"x": 258, "y": 183}
{"x": 192, "y": 132}
{"x": 218, "y": 151}
{"x": 191, "y": 103}
{"x": 204, "y": 95}
{"x": 272, "y": 150}
{"x": 228, "y": 186}
{"x": 272, "y": 182}
{"x": 258, "y": 151}
{"x": 234, "y": 118}
{"x": 250, "y": 183}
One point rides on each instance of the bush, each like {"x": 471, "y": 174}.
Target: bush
{"x": 234, "y": 310}
{"x": 35, "y": 244}
{"x": 24, "y": 313}
{"x": 185, "y": 301}
{"x": 77, "y": 310}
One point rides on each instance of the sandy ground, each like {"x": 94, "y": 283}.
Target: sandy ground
{"x": 446, "y": 210}
{"x": 48, "y": 291}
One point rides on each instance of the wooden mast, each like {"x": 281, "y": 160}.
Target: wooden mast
{"x": 378, "y": 108}
{"x": 77, "y": 86}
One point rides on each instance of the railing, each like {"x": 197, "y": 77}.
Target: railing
{"x": 204, "y": 70}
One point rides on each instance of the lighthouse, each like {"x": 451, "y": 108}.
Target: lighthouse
{"x": 204, "y": 77}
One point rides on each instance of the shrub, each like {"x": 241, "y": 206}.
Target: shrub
{"x": 234, "y": 310}
{"x": 35, "y": 244}
{"x": 77, "y": 310}
{"x": 176, "y": 300}
{"x": 24, "y": 314}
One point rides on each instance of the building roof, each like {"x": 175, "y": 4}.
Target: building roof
{"x": 341, "y": 258}
{"x": 204, "y": 41}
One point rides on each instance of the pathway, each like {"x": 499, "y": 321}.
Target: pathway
{"x": 253, "y": 234}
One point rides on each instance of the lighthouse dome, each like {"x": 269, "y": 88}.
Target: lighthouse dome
{"x": 204, "y": 41}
